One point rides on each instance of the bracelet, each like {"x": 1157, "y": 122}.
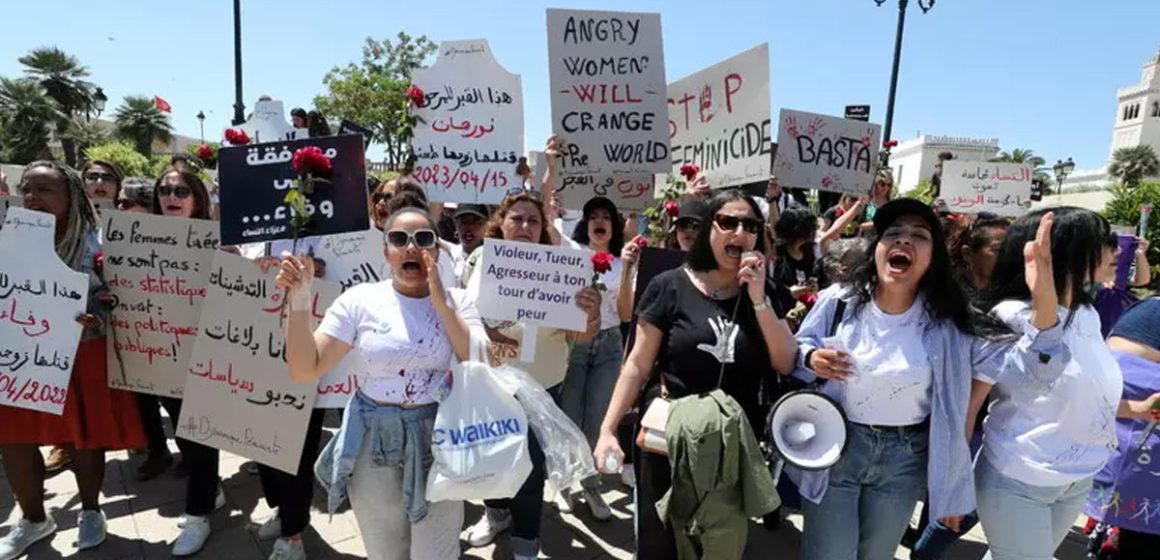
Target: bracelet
{"x": 764, "y": 304}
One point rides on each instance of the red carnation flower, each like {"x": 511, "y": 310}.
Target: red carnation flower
{"x": 641, "y": 242}
{"x": 672, "y": 208}
{"x": 690, "y": 170}
{"x": 205, "y": 152}
{"x": 310, "y": 161}
{"x": 890, "y": 143}
{"x": 237, "y": 137}
{"x": 602, "y": 262}
{"x": 418, "y": 97}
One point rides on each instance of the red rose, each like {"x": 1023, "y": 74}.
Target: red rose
{"x": 641, "y": 242}
{"x": 310, "y": 161}
{"x": 890, "y": 143}
{"x": 602, "y": 262}
{"x": 672, "y": 208}
{"x": 690, "y": 170}
{"x": 205, "y": 152}
{"x": 418, "y": 98}
{"x": 237, "y": 137}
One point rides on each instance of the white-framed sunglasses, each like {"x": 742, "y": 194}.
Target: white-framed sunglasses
{"x": 401, "y": 238}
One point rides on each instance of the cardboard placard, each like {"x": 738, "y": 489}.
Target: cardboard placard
{"x": 40, "y": 299}
{"x": 238, "y": 395}
{"x": 719, "y": 119}
{"x": 1000, "y": 188}
{"x": 607, "y": 72}
{"x": 7, "y": 202}
{"x": 255, "y": 179}
{"x": 626, "y": 192}
{"x": 268, "y": 124}
{"x": 533, "y": 284}
{"x": 158, "y": 268}
{"x": 826, "y": 153}
{"x": 471, "y": 130}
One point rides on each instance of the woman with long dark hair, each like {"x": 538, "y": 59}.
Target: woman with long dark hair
{"x": 897, "y": 346}
{"x": 1045, "y": 436}
{"x": 707, "y": 325}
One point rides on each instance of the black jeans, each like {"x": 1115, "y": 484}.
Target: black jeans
{"x": 527, "y": 506}
{"x": 149, "y": 408}
{"x": 203, "y": 461}
{"x": 292, "y": 494}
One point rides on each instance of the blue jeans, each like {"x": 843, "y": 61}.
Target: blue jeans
{"x": 592, "y": 372}
{"x": 1025, "y": 522}
{"x": 936, "y": 539}
{"x": 870, "y": 497}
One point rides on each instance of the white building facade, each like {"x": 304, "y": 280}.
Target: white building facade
{"x": 913, "y": 160}
{"x": 1138, "y": 111}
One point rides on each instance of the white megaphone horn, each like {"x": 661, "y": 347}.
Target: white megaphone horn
{"x": 808, "y": 429}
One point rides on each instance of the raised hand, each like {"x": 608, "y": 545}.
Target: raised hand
{"x": 752, "y": 275}
{"x": 1037, "y": 267}
{"x": 434, "y": 282}
{"x": 295, "y": 276}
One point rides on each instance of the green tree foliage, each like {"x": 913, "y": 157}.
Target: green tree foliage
{"x": 1124, "y": 209}
{"x": 84, "y": 133}
{"x": 121, "y": 154}
{"x": 63, "y": 78}
{"x": 1020, "y": 155}
{"x": 1130, "y": 165}
{"x": 141, "y": 122}
{"x": 26, "y": 117}
{"x": 373, "y": 93}
{"x": 923, "y": 191}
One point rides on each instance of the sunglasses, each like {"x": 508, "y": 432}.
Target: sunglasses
{"x": 380, "y": 197}
{"x": 730, "y": 223}
{"x": 180, "y": 191}
{"x": 401, "y": 238}
{"x": 689, "y": 224}
{"x": 100, "y": 177}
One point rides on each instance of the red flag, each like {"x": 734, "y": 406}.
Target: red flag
{"x": 162, "y": 104}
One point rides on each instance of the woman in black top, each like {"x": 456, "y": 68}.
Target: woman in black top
{"x": 712, "y": 312}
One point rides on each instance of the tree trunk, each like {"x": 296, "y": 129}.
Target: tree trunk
{"x": 69, "y": 147}
{"x": 145, "y": 145}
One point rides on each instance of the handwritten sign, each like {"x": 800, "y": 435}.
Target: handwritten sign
{"x": 336, "y": 387}
{"x": 268, "y": 123}
{"x": 825, "y": 153}
{"x": 1001, "y": 188}
{"x": 719, "y": 119}
{"x": 238, "y": 395}
{"x": 626, "y": 192}
{"x": 533, "y": 284}
{"x": 607, "y": 72}
{"x": 157, "y": 268}
{"x": 471, "y": 129}
{"x": 255, "y": 179}
{"x": 40, "y": 299}
{"x": 7, "y": 202}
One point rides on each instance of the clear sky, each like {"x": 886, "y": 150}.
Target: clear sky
{"x": 1033, "y": 73}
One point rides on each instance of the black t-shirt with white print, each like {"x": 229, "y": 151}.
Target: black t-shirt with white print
{"x": 697, "y": 340}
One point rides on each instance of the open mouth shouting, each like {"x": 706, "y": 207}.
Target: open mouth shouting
{"x": 599, "y": 231}
{"x": 899, "y": 261}
{"x": 412, "y": 267}
{"x": 734, "y": 250}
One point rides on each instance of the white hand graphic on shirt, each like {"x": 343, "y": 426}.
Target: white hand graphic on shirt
{"x": 726, "y": 333}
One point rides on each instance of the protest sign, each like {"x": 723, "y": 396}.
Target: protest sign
{"x": 157, "y": 268}
{"x": 7, "y": 202}
{"x": 353, "y": 258}
{"x": 238, "y": 395}
{"x": 255, "y": 179}
{"x": 973, "y": 187}
{"x": 825, "y": 153}
{"x": 858, "y": 113}
{"x": 268, "y": 123}
{"x": 533, "y": 284}
{"x": 607, "y": 74}
{"x": 336, "y": 387}
{"x": 719, "y": 119}
{"x": 471, "y": 129}
{"x": 347, "y": 127}
{"x": 626, "y": 192}
{"x": 40, "y": 299}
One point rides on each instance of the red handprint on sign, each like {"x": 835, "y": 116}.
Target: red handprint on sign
{"x": 706, "y": 104}
{"x": 815, "y": 125}
{"x": 791, "y": 127}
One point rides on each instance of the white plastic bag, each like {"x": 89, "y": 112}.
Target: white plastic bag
{"x": 567, "y": 456}
{"x": 480, "y": 439}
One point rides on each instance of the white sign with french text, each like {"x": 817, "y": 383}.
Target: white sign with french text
{"x": 533, "y": 284}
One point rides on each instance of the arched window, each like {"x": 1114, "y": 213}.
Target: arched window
{"x": 1156, "y": 108}
{"x": 1127, "y": 112}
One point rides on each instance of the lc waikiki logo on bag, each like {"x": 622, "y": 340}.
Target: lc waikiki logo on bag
{"x": 480, "y": 433}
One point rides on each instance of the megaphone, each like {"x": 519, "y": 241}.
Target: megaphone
{"x": 808, "y": 429}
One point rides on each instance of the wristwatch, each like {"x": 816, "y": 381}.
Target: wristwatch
{"x": 763, "y": 305}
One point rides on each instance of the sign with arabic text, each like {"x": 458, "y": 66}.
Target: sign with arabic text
{"x": 533, "y": 284}
{"x": 607, "y": 79}
{"x": 7, "y": 202}
{"x": 825, "y": 153}
{"x": 238, "y": 395}
{"x": 40, "y": 299}
{"x": 999, "y": 188}
{"x": 157, "y": 268}
{"x": 255, "y": 179}
{"x": 719, "y": 119}
{"x": 626, "y": 192}
{"x": 471, "y": 129}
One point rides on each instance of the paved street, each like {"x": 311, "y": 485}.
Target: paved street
{"x": 143, "y": 522}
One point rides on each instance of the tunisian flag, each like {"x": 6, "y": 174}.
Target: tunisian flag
{"x": 162, "y": 104}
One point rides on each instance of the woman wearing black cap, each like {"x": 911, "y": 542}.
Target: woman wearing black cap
{"x": 899, "y": 363}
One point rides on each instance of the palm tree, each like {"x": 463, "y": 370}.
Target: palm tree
{"x": 85, "y": 133}
{"x": 1019, "y": 155}
{"x": 26, "y": 115}
{"x": 62, "y": 77}
{"x": 1130, "y": 165}
{"x": 139, "y": 120}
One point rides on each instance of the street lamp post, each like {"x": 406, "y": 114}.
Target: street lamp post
{"x": 1062, "y": 169}
{"x": 201, "y": 123}
{"x": 98, "y": 103}
{"x": 926, "y": 6}
{"x": 239, "y": 108}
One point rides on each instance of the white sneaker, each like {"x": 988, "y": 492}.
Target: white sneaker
{"x": 288, "y": 550}
{"x": 192, "y": 537}
{"x": 564, "y": 503}
{"x": 92, "y": 529}
{"x": 493, "y": 522}
{"x": 24, "y": 535}
{"x": 628, "y": 476}
{"x": 597, "y": 506}
{"x": 271, "y": 529}
{"x": 219, "y": 501}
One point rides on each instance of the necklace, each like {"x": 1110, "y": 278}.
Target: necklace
{"x": 717, "y": 294}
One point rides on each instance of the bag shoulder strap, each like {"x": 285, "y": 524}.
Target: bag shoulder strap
{"x": 839, "y": 312}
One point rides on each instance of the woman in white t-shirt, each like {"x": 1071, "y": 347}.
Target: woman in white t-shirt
{"x": 410, "y": 330}
{"x": 1044, "y": 438}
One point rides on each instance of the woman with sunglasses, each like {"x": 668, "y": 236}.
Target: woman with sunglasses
{"x": 96, "y": 418}
{"x": 897, "y": 346}
{"x": 521, "y": 217}
{"x": 705, "y": 325}
{"x": 410, "y": 329}
{"x": 102, "y": 182}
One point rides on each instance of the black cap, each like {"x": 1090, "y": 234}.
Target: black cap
{"x": 298, "y": 112}
{"x": 890, "y": 212}
{"x": 599, "y": 202}
{"x": 693, "y": 209}
{"x": 473, "y": 210}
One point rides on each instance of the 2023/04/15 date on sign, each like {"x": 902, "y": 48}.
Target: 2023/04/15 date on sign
{"x": 449, "y": 177}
